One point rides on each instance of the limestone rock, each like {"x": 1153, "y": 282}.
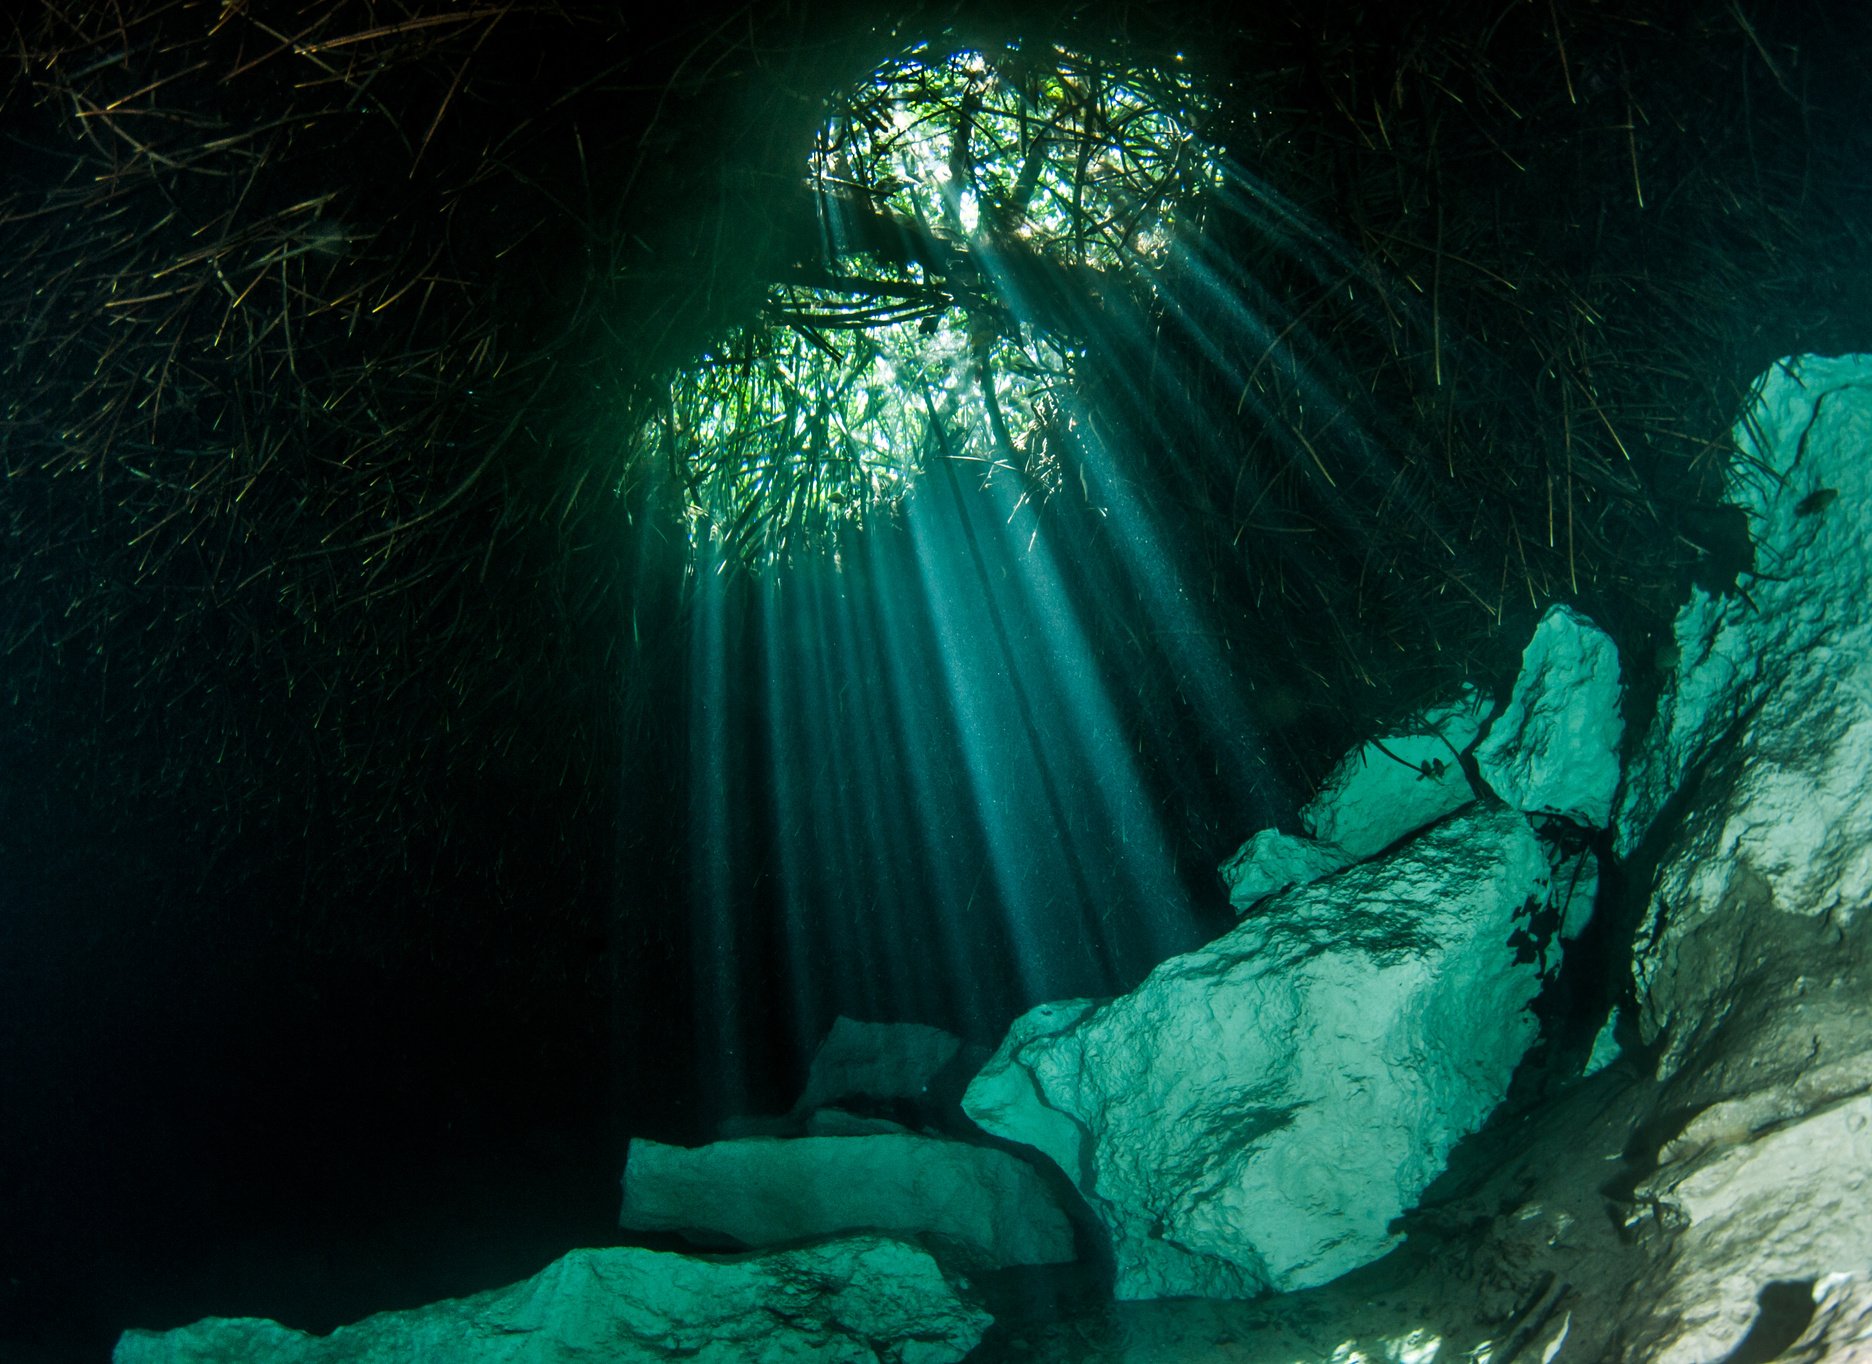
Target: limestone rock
{"x": 1786, "y": 1206}
{"x": 1803, "y": 484}
{"x": 1841, "y": 1326}
{"x": 1605, "y": 1046}
{"x": 1770, "y": 710}
{"x": 1380, "y": 792}
{"x": 1399, "y": 783}
{"x": 1767, "y": 868}
{"x": 1555, "y": 749}
{"x": 1805, "y": 1090}
{"x": 1272, "y": 861}
{"x": 877, "y": 1061}
{"x": 1575, "y": 888}
{"x": 1004, "y": 1099}
{"x": 991, "y": 1205}
{"x": 1256, "y": 1112}
{"x": 866, "y": 1298}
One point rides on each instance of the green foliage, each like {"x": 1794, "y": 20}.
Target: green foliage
{"x": 968, "y": 208}
{"x": 325, "y": 328}
{"x": 1083, "y": 160}
{"x": 786, "y": 435}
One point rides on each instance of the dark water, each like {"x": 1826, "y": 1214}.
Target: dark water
{"x": 921, "y": 793}
{"x": 249, "y": 1067}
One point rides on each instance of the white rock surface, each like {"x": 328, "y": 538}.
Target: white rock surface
{"x": 1749, "y": 963}
{"x": 1786, "y": 1206}
{"x": 1555, "y": 749}
{"x": 1841, "y": 1328}
{"x": 863, "y": 1299}
{"x": 1256, "y": 1112}
{"x": 1004, "y": 1098}
{"x": 1798, "y": 1093}
{"x": 1272, "y": 861}
{"x": 765, "y": 1191}
{"x": 1769, "y": 713}
{"x": 1398, "y": 783}
{"x": 1605, "y": 1046}
{"x": 1802, "y": 482}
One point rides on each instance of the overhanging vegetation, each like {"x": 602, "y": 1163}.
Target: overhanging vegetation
{"x": 969, "y": 208}
{"x": 328, "y": 343}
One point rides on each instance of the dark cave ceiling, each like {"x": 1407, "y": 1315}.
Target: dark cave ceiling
{"x": 327, "y": 333}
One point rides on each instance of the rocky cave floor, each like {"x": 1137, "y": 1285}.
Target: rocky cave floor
{"x": 1699, "y": 1198}
{"x": 1541, "y": 1240}
{"x": 1535, "y": 1229}
{"x": 1523, "y": 1234}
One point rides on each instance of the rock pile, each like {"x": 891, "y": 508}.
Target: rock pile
{"x": 862, "y": 1298}
{"x": 842, "y": 1172}
{"x": 1290, "y": 1102}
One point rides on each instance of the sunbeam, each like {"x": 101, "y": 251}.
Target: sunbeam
{"x": 935, "y": 778}
{"x": 765, "y": 680}
{"x": 924, "y": 728}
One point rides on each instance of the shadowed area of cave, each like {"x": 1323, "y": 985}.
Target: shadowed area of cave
{"x": 552, "y": 555}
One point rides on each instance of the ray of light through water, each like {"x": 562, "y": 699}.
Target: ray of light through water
{"x": 919, "y": 787}
{"x": 714, "y": 779}
{"x": 928, "y": 780}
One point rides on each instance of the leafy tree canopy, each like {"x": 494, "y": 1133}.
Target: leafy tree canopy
{"x": 971, "y": 208}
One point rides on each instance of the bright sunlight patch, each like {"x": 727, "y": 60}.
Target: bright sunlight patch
{"x": 975, "y": 211}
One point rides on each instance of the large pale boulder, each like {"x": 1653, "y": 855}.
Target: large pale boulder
{"x": 1555, "y": 749}
{"x": 1841, "y": 1326}
{"x": 1381, "y": 791}
{"x": 760, "y": 1191}
{"x": 1784, "y": 1206}
{"x": 1802, "y": 483}
{"x": 1750, "y": 795}
{"x": 866, "y": 1298}
{"x": 1256, "y": 1113}
{"x": 1272, "y": 861}
{"x": 1766, "y": 723}
{"x": 1398, "y": 783}
{"x": 1005, "y": 1097}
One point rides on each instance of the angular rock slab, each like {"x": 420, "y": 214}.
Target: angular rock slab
{"x": 764, "y": 1191}
{"x": 1398, "y": 784}
{"x": 1256, "y": 1112}
{"x": 867, "y": 1298}
{"x": 1605, "y": 1045}
{"x": 1576, "y": 880}
{"x": 1555, "y": 749}
{"x": 876, "y": 1061}
{"x": 1770, "y": 708}
{"x": 1841, "y": 1328}
{"x": 1786, "y": 1206}
{"x": 1272, "y": 861}
{"x": 1803, "y": 484}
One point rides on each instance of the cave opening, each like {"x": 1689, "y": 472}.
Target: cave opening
{"x": 552, "y": 556}
{"x": 924, "y": 779}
